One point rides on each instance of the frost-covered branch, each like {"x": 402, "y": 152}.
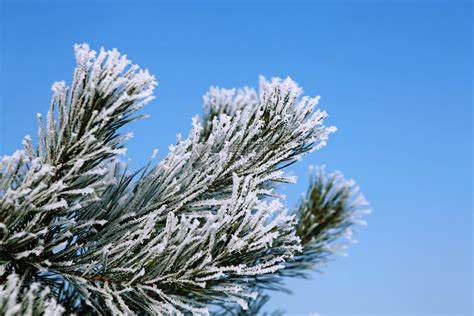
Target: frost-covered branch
{"x": 326, "y": 216}
{"x": 202, "y": 227}
{"x": 330, "y": 210}
{"x": 43, "y": 187}
{"x": 252, "y": 136}
{"x": 196, "y": 228}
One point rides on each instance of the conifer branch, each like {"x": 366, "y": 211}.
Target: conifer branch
{"x": 329, "y": 212}
{"x": 202, "y": 227}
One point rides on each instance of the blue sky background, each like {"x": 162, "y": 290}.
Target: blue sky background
{"x": 395, "y": 78}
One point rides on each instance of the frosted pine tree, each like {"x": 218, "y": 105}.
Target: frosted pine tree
{"x": 202, "y": 231}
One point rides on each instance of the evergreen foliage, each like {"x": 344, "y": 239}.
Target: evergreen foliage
{"x": 202, "y": 231}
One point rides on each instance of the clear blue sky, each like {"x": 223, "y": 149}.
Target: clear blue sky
{"x": 395, "y": 77}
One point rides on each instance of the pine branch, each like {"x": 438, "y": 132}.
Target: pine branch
{"x": 248, "y": 138}
{"x": 43, "y": 188}
{"x": 195, "y": 229}
{"x": 202, "y": 227}
{"x": 330, "y": 210}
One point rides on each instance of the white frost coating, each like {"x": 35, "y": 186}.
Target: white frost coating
{"x": 56, "y": 205}
{"x": 84, "y": 191}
